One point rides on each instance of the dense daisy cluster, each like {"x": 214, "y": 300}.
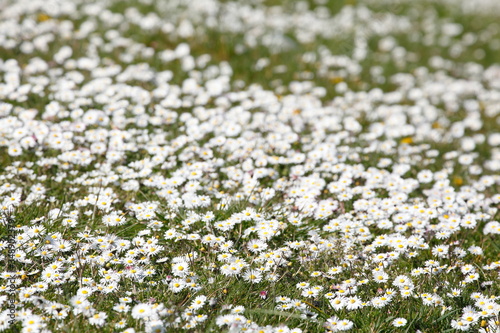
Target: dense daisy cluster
{"x": 164, "y": 168}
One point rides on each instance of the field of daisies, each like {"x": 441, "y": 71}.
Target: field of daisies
{"x": 250, "y": 166}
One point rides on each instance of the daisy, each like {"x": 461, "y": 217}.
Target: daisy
{"x": 476, "y": 250}
{"x": 460, "y": 325}
{"x": 332, "y": 323}
{"x": 344, "y": 325}
{"x": 180, "y": 269}
{"x": 141, "y": 311}
{"x": 253, "y": 276}
{"x": 440, "y": 251}
{"x": 380, "y": 302}
{"x": 471, "y": 277}
{"x": 121, "y": 307}
{"x": 256, "y": 245}
{"x": 401, "y": 281}
{"x": 353, "y": 303}
{"x": 399, "y": 322}
{"x": 338, "y": 303}
{"x": 302, "y": 285}
{"x": 309, "y": 292}
{"x": 176, "y": 285}
{"x": 198, "y": 302}
{"x": 380, "y": 277}
{"x": 98, "y": 319}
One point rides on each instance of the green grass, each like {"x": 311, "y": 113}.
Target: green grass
{"x": 224, "y": 292}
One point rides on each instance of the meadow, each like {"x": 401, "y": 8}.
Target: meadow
{"x": 250, "y": 166}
